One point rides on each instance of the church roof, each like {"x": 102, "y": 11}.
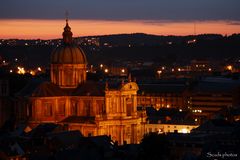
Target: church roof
{"x": 161, "y": 88}
{"x": 89, "y": 88}
{"x": 79, "y": 119}
{"x": 40, "y": 88}
{"x": 68, "y": 52}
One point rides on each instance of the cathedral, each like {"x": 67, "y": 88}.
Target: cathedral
{"x": 72, "y": 101}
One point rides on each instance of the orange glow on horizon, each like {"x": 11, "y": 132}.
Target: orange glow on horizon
{"x": 50, "y": 29}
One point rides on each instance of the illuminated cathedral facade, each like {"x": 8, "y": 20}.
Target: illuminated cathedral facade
{"x": 93, "y": 108}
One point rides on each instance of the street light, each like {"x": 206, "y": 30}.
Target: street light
{"x": 159, "y": 72}
{"x": 106, "y": 70}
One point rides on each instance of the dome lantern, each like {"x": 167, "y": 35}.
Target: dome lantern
{"x": 67, "y": 34}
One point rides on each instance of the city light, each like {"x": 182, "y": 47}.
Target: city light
{"x": 39, "y": 69}
{"x": 106, "y": 70}
{"x": 21, "y": 70}
{"x": 184, "y": 130}
{"x": 32, "y": 73}
{"x": 159, "y": 71}
{"x": 229, "y": 67}
{"x": 197, "y": 111}
{"x": 123, "y": 70}
{"x": 101, "y": 66}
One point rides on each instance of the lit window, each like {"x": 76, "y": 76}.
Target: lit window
{"x": 184, "y": 130}
{"x": 47, "y": 109}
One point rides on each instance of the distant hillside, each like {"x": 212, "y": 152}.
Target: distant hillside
{"x": 167, "y": 49}
{"x": 141, "y": 39}
{"x": 163, "y": 49}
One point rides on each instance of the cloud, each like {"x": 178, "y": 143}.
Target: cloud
{"x": 234, "y": 23}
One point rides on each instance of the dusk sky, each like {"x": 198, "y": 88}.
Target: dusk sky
{"x": 166, "y": 17}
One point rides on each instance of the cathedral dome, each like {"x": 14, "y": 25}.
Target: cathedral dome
{"x": 68, "y": 53}
{"x": 68, "y": 62}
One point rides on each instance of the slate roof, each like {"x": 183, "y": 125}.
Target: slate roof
{"x": 65, "y": 138}
{"x": 216, "y": 126}
{"x": 79, "y": 119}
{"x": 43, "y": 129}
{"x": 160, "y": 88}
{"x": 90, "y": 89}
{"x": 40, "y": 88}
{"x": 215, "y": 87}
{"x": 174, "y": 116}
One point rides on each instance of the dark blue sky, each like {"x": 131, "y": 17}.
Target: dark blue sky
{"x": 122, "y": 9}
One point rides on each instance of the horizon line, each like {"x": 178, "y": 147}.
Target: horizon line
{"x": 52, "y": 29}
{"x": 123, "y": 34}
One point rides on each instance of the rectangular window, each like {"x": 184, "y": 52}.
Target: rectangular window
{"x": 74, "y": 108}
{"x": 61, "y": 108}
{"x": 47, "y": 109}
{"x": 87, "y": 106}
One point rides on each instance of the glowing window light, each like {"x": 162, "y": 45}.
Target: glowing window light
{"x": 184, "y": 131}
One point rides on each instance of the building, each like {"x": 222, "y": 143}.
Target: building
{"x": 170, "y": 128}
{"x": 211, "y": 95}
{"x": 5, "y": 100}
{"x": 93, "y": 108}
{"x": 169, "y": 120}
{"x": 163, "y": 94}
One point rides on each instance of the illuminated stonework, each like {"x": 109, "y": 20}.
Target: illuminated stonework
{"x": 94, "y": 108}
{"x": 68, "y": 63}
